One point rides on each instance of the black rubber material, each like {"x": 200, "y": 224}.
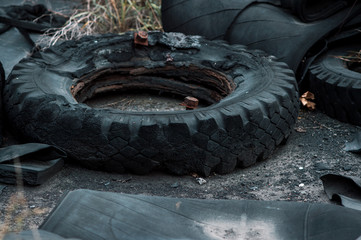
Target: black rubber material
{"x": 35, "y": 18}
{"x": 24, "y": 25}
{"x": 34, "y": 234}
{"x": 343, "y": 189}
{"x": 271, "y": 29}
{"x": 355, "y": 145}
{"x": 337, "y": 89}
{"x": 256, "y": 23}
{"x": 309, "y": 11}
{"x": 29, "y": 18}
{"x": 257, "y": 111}
{"x": 210, "y": 19}
{"x": 38, "y": 162}
{"x": 138, "y": 217}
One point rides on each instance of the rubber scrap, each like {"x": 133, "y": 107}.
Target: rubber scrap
{"x": 309, "y": 11}
{"x": 355, "y": 145}
{"x": 344, "y": 190}
{"x": 34, "y": 234}
{"x": 106, "y": 215}
{"x": 33, "y": 163}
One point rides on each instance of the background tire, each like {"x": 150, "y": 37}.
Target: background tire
{"x": 253, "y": 103}
{"x": 337, "y": 89}
{"x": 309, "y": 11}
{"x": 210, "y": 19}
{"x": 277, "y": 32}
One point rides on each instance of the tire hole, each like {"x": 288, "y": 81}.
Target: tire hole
{"x": 141, "y": 86}
{"x": 139, "y": 101}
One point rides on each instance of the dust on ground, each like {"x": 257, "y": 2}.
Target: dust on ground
{"x": 292, "y": 173}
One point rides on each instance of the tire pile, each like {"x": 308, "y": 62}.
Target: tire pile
{"x": 307, "y": 35}
{"x": 251, "y": 97}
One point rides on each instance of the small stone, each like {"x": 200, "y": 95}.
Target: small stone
{"x": 347, "y": 167}
{"x": 201, "y": 181}
{"x": 322, "y": 166}
{"x": 174, "y": 185}
{"x": 32, "y": 206}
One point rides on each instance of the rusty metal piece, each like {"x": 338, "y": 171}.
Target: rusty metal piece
{"x": 76, "y": 88}
{"x": 169, "y": 58}
{"x": 190, "y": 103}
{"x": 141, "y": 38}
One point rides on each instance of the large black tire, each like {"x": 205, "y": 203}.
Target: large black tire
{"x": 309, "y": 11}
{"x": 184, "y": 218}
{"x": 337, "y": 88}
{"x": 254, "y": 103}
{"x": 210, "y": 19}
{"x": 275, "y": 31}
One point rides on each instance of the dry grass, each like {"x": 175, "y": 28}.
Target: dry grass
{"x": 352, "y": 57}
{"x": 109, "y": 16}
{"x": 17, "y": 208}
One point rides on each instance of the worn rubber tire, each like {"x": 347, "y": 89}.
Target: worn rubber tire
{"x": 309, "y": 11}
{"x": 337, "y": 89}
{"x": 210, "y": 19}
{"x": 258, "y": 109}
{"x": 277, "y": 32}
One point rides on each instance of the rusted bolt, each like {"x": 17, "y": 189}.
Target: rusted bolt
{"x": 169, "y": 58}
{"x": 190, "y": 103}
{"x": 141, "y": 38}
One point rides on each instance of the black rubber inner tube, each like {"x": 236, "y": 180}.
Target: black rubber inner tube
{"x": 309, "y": 11}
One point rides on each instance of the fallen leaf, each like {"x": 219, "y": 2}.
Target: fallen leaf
{"x": 300, "y": 130}
{"x": 308, "y": 95}
{"x": 306, "y": 100}
{"x": 195, "y": 175}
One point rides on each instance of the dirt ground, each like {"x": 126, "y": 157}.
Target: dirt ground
{"x": 291, "y": 174}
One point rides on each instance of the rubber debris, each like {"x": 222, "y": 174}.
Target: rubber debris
{"x": 344, "y": 190}
{"x": 32, "y": 163}
{"x": 139, "y": 217}
{"x": 355, "y": 145}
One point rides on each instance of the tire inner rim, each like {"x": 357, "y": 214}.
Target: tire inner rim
{"x": 207, "y": 85}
